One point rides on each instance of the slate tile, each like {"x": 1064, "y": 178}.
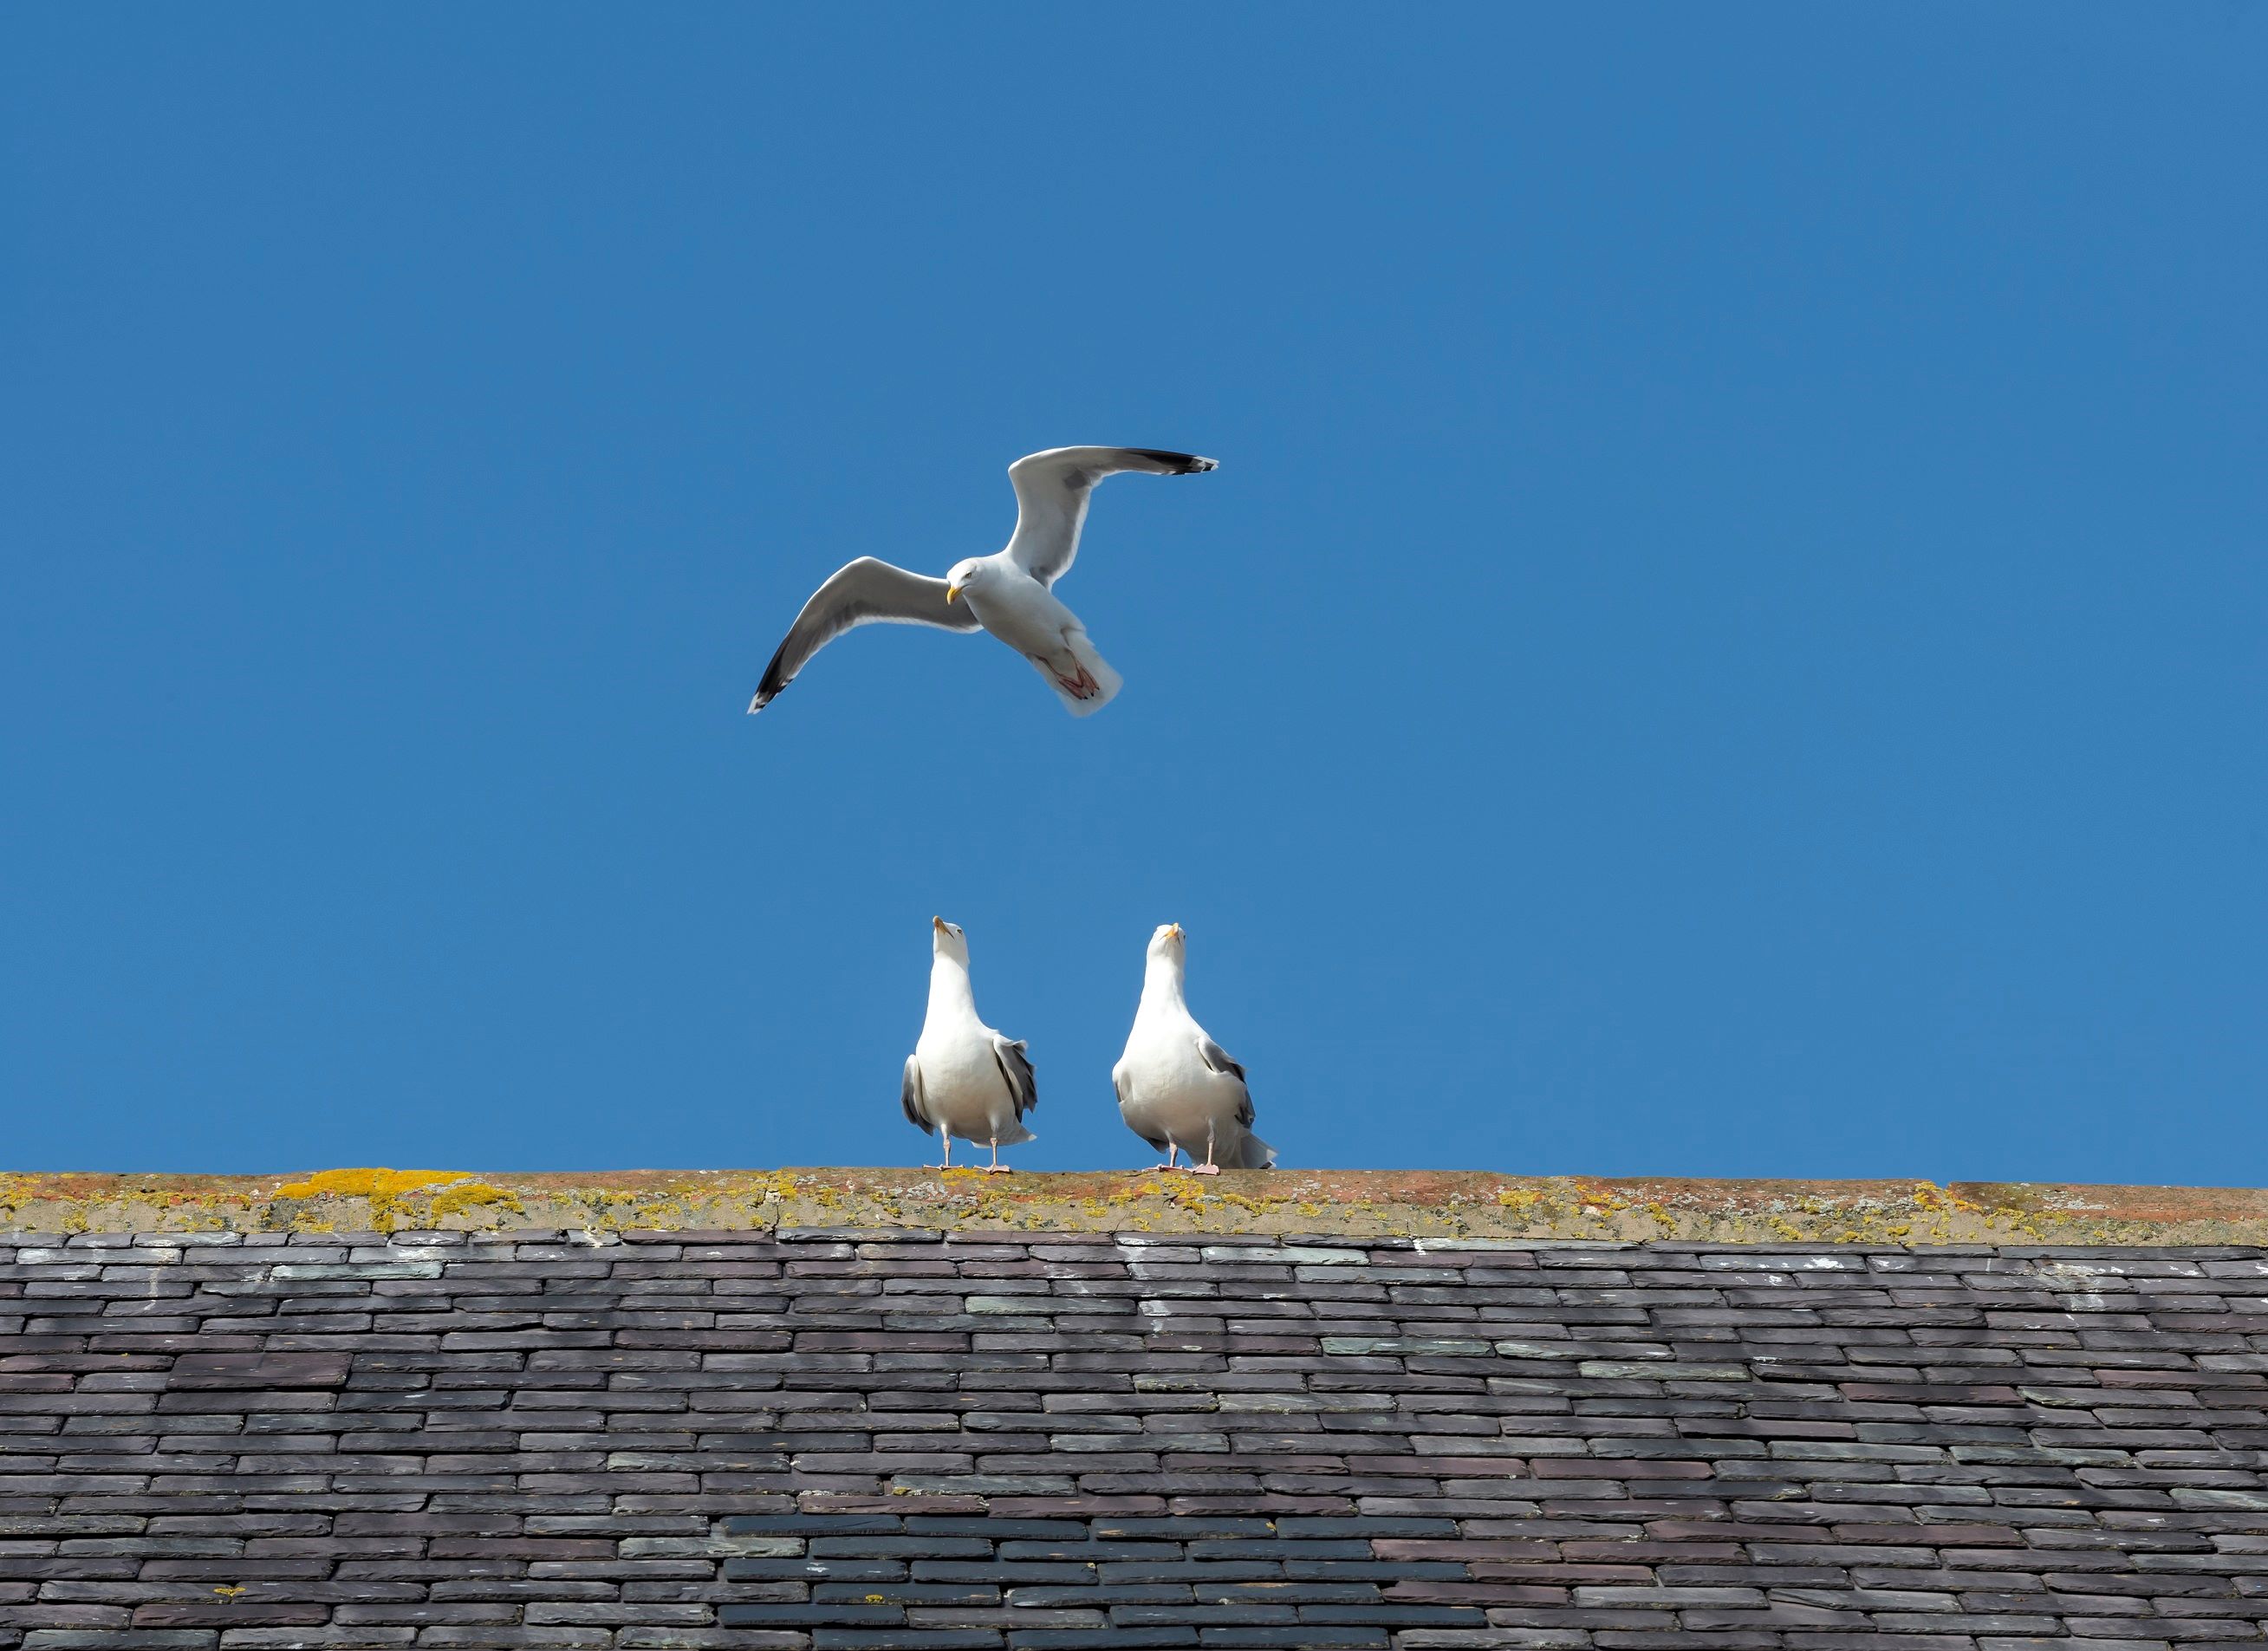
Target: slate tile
{"x": 257, "y": 1371}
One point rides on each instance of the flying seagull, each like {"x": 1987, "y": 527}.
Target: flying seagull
{"x": 1177, "y": 1089}
{"x": 963, "y": 1078}
{"x": 1009, "y": 592}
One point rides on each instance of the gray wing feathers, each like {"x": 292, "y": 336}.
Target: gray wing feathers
{"x": 1217, "y": 1058}
{"x": 1016, "y": 1070}
{"x": 861, "y": 592}
{"x": 1052, "y": 488}
{"x": 911, "y": 1098}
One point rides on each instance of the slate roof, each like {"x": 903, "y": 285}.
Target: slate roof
{"x": 905, "y": 1440}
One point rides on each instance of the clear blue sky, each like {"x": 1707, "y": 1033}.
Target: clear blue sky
{"x": 1728, "y": 637}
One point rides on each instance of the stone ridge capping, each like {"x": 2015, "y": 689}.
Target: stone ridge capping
{"x": 1365, "y": 1203}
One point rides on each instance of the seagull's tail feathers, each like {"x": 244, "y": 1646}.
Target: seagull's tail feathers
{"x": 1254, "y": 1154}
{"x": 1081, "y": 678}
{"x": 1106, "y": 681}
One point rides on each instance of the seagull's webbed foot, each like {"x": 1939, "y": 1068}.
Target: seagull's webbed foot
{"x": 999, "y": 1169}
{"x": 1205, "y": 1170}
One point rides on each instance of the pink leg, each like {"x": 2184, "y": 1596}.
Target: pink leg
{"x": 996, "y": 1167}
{"x": 1208, "y": 1167}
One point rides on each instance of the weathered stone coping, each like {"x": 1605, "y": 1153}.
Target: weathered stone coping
{"x": 1382, "y": 1203}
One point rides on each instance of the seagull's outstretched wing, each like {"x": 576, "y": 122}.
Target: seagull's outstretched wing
{"x": 1051, "y": 493}
{"x": 865, "y": 592}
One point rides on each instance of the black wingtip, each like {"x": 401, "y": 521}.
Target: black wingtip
{"x": 1183, "y": 463}
{"x": 769, "y": 688}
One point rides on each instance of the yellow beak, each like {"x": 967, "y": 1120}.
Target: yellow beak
{"x": 1177, "y": 932}
{"x": 952, "y": 593}
{"x": 936, "y": 923}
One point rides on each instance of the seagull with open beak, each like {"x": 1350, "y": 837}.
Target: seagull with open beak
{"x": 964, "y": 1079}
{"x": 1177, "y": 1089}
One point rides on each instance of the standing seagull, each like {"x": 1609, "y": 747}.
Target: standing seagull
{"x": 963, "y": 1078}
{"x": 1175, "y": 1085}
{"x": 1009, "y": 592}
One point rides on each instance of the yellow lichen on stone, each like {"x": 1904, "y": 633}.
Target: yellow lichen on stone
{"x": 465, "y": 1196}
{"x": 384, "y": 1190}
{"x": 368, "y": 1184}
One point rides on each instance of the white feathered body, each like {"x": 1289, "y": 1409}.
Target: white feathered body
{"x": 1170, "y": 1091}
{"x": 1032, "y": 619}
{"x": 962, "y": 1089}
